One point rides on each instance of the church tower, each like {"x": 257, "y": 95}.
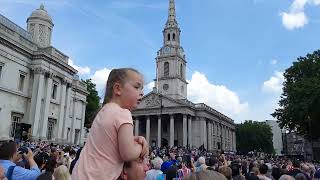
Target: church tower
{"x": 171, "y": 62}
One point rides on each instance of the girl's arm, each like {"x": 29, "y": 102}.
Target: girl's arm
{"x": 128, "y": 147}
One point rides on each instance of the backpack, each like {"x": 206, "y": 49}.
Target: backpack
{"x": 10, "y": 172}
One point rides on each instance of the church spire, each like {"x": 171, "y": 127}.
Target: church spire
{"x": 172, "y": 22}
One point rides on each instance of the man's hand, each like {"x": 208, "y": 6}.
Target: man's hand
{"x": 29, "y": 155}
{"x": 1, "y": 173}
{"x": 145, "y": 146}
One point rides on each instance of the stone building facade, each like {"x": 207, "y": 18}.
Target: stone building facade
{"x": 40, "y": 94}
{"x": 166, "y": 117}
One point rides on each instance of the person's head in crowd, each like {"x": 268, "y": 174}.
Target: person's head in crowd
{"x": 156, "y": 163}
{"x": 263, "y": 169}
{"x": 54, "y": 152}
{"x": 205, "y": 175}
{"x": 8, "y": 151}
{"x": 300, "y": 176}
{"x": 117, "y": 90}
{"x": 296, "y": 164}
{"x": 276, "y": 173}
{"x": 61, "y": 173}
{"x": 72, "y": 153}
{"x": 67, "y": 149}
{"x": 226, "y": 171}
{"x": 212, "y": 161}
{"x": 171, "y": 172}
{"x": 201, "y": 161}
{"x": 51, "y": 164}
{"x": 134, "y": 170}
{"x": 41, "y": 159}
{"x": 235, "y": 167}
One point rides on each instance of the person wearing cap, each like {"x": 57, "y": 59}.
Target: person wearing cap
{"x": 8, "y": 157}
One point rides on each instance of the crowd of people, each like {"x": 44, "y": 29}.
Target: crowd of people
{"x": 112, "y": 152}
{"x": 37, "y": 160}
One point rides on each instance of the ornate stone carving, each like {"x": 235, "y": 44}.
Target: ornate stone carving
{"x": 42, "y": 35}
{"x": 153, "y": 101}
{"x": 39, "y": 70}
{"x": 32, "y": 29}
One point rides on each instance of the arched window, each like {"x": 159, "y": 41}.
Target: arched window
{"x": 166, "y": 69}
{"x": 168, "y": 37}
{"x": 181, "y": 70}
{"x": 174, "y": 36}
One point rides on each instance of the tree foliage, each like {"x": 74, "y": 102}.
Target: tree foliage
{"x": 254, "y": 136}
{"x": 92, "y": 102}
{"x": 300, "y": 102}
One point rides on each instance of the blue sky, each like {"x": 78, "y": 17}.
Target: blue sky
{"x": 236, "y": 50}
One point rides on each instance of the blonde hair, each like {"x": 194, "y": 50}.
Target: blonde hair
{"x": 116, "y": 76}
{"x": 61, "y": 173}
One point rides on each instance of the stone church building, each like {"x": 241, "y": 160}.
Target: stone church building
{"x": 40, "y": 94}
{"x": 166, "y": 117}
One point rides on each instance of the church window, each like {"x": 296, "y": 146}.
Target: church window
{"x": 181, "y": 70}
{"x": 15, "y": 120}
{"x": 54, "y": 91}
{"x": 50, "y": 129}
{"x": 0, "y": 70}
{"x": 22, "y": 77}
{"x": 174, "y": 36}
{"x": 166, "y": 69}
{"x": 168, "y": 37}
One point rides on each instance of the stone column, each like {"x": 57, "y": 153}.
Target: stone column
{"x": 37, "y": 92}
{"x": 184, "y": 129}
{"x": 190, "y": 132}
{"x": 66, "y": 116}
{"x": 234, "y": 141}
{"x": 171, "y": 130}
{"x": 209, "y": 135}
{"x": 148, "y": 129}
{"x": 205, "y": 133}
{"x": 136, "y": 126}
{"x": 73, "y": 119}
{"x": 46, "y": 108}
{"x": 61, "y": 109}
{"x": 159, "y": 131}
{"x": 82, "y": 121}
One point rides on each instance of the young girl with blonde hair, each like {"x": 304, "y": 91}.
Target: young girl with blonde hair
{"x": 111, "y": 141}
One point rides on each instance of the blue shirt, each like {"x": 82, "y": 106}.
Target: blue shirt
{"x": 20, "y": 173}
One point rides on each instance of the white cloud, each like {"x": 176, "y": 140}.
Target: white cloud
{"x": 100, "y": 78}
{"x": 293, "y": 21}
{"x": 81, "y": 70}
{"x": 274, "y": 84}
{"x": 273, "y": 62}
{"x": 219, "y": 97}
{"x": 296, "y": 18}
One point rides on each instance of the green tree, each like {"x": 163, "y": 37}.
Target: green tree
{"x": 300, "y": 101}
{"x": 253, "y": 136}
{"x": 92, "y": 102}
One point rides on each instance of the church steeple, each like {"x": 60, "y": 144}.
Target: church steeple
{"x": 171, "y": 32}
{"x": 172, "y": 22}
{"x": 171, "y": 62}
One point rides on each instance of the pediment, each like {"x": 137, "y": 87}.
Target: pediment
{"x": 154, "y": 100}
